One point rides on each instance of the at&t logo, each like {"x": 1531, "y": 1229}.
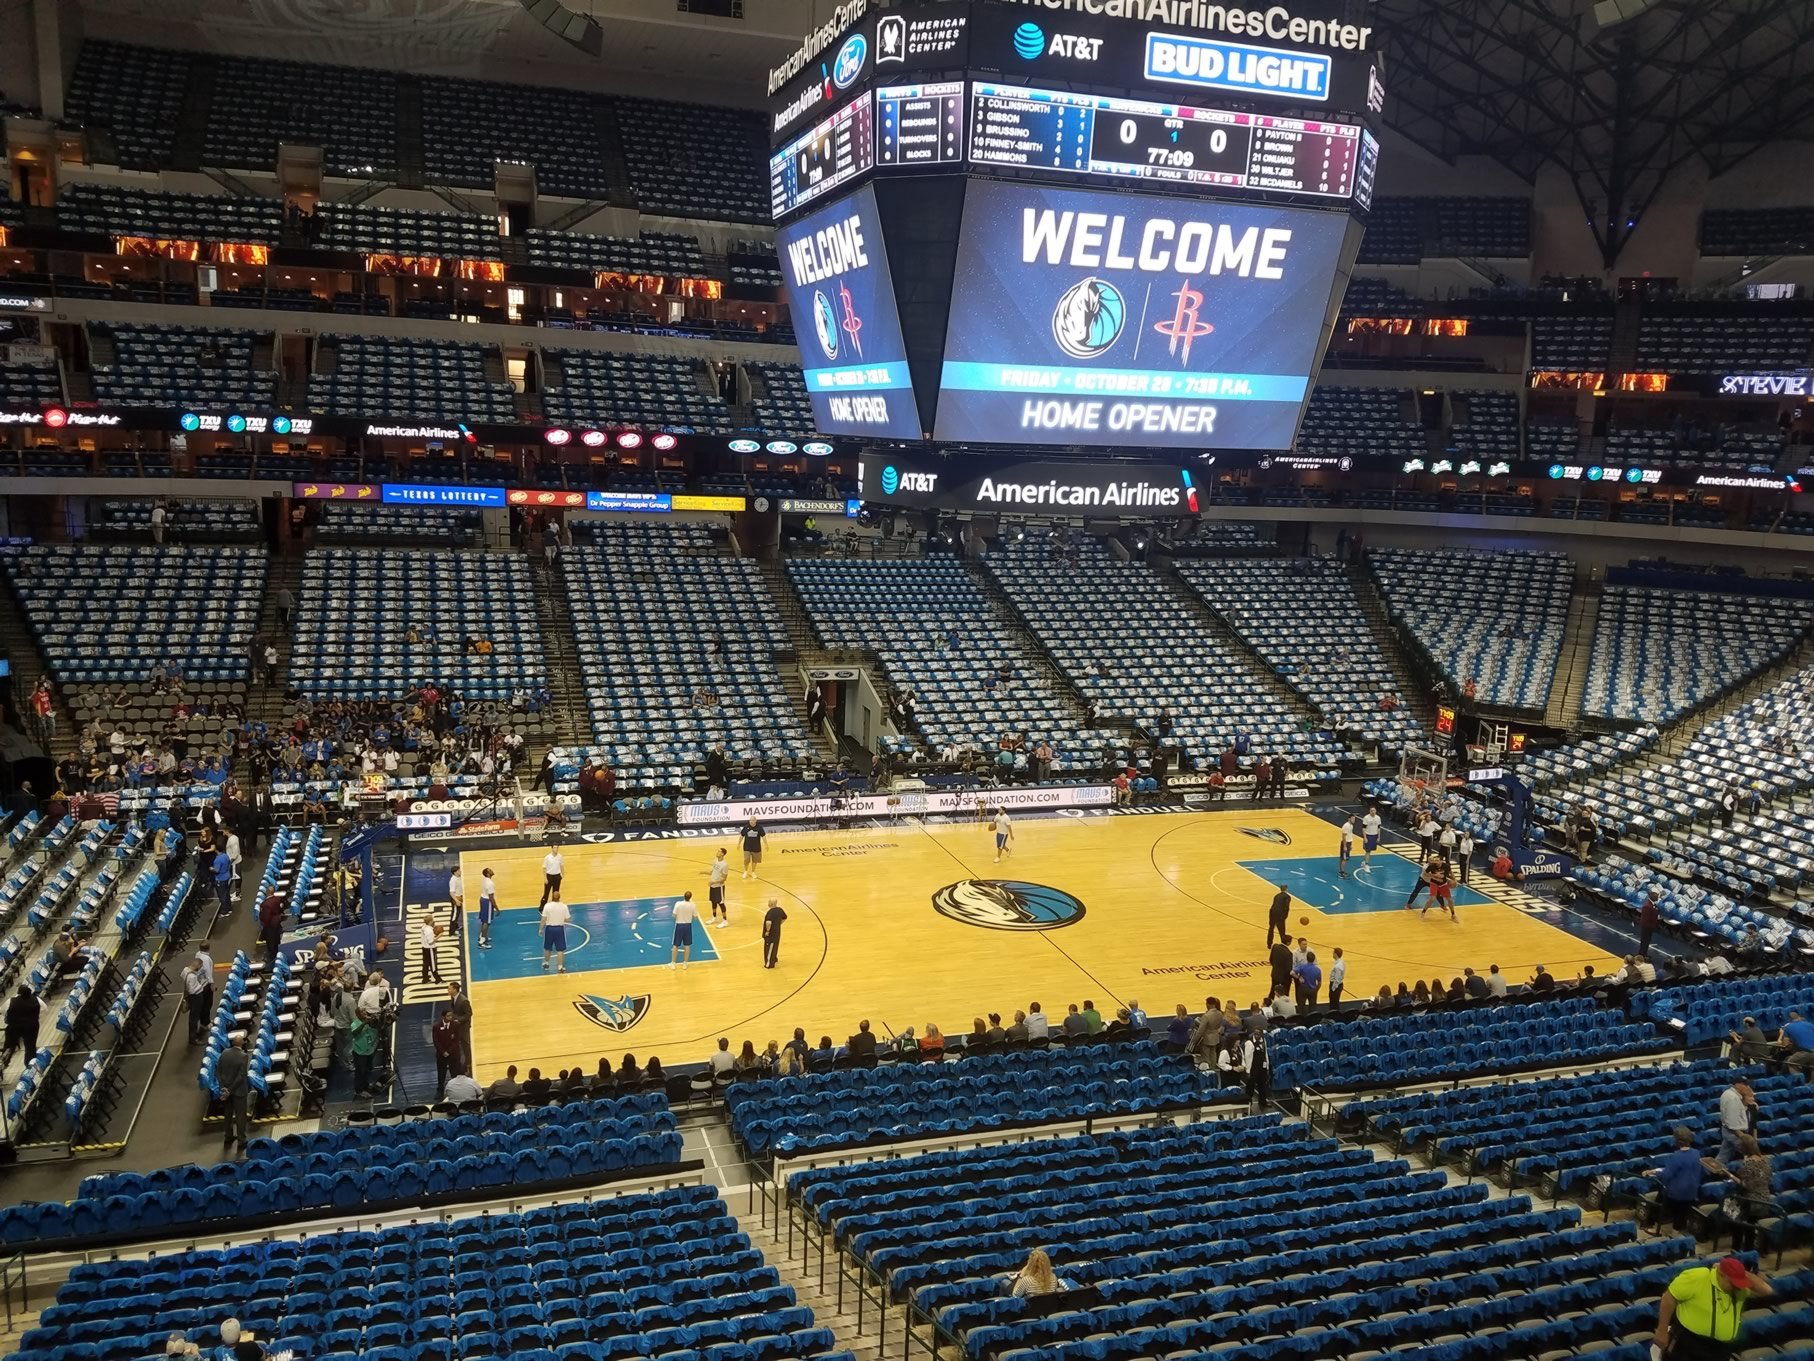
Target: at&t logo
{"x": 893, "y": 480}
{"x": 1029, "y": 41}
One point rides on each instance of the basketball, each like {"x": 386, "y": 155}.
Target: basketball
{"x": 1303, "y": 921}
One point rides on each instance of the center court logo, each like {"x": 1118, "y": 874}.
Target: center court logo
{"x": 1088, "y": 318}
{"x": 1277, "y": 835}
{"x": 1007, "y": 905}
{"x": 613, "y": 1013}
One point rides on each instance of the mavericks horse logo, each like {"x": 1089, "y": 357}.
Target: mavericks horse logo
{"x": 613, "y": 1013}
{"x": 1088, "y": 318}
{"x": 1277, "y": 835}
{"x": 1007, "y": 905}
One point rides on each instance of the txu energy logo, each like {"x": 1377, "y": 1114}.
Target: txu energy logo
{"x": 1029, "y": 41}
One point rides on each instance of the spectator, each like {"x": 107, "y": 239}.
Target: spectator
{"x": 747, "y": 1060}
{"x": 506, "y": 1088}
{"x": 198, "y": 992}
{"x": 1679, "y": 1182}
{"x": 1338, "y": 977}
{"x": 862, "y": 1045}
{"x": 1205, "y": 1038}
{"x": 1039, "y": 1026}
{"x": 1749, "y": 1043}
{"x": 1074, "y": 1024}
{"x": 1092, "y": 1019}
{"x": 235, "y": 1345}
{"x": 536, "y": 1088}
{"x": 1738, "y": 1115}
{"x": 1177, "y": 1032}
{"x": 462, "y": 1088}
{"x": 1283, "y": 1007}
{"x": 1750, "y": 1200}
{"x": 1648, "y": 917}
{"x": 1495, "y": 981}
{"x": 1309, "y": 978}
{"x": 1703, "y": 1309}
{"x": 722, "y": 1060}
{"x": 995, "y": 1034}
{"x": 1036, "y": 1277}
{"x": 1473, "y": 984}
{"x": 934, "y": 1041}
{"x": 1797, "y": 1044}
{"x": 22, "y": 1015}
{"x": 1542, "y": 980}
{"x": 1017, "y": 1033}
{"x": 230, "y": 1075}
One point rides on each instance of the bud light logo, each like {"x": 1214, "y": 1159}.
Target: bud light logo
{"x": 849, "y": 65}
{"x": 1029, "y": 41}
{"x": 891, "y": 480}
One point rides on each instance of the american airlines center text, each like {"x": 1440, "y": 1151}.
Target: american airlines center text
{"x": 1275, "y": 22}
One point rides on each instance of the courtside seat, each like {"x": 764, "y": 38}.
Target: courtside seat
{"x": 1428, "y": 1046}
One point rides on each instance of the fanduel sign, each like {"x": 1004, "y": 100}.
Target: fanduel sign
{"x": 816, "y": 42}
{"x": 1276, "y": 23}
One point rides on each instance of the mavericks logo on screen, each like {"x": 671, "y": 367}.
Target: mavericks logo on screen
{"x": 825, "y": 325}
{"x": 1088, "y": 318}
{"x": 1007, "y": 905}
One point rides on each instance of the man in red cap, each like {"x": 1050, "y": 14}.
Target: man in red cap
{"x": 1702, "y": 1309}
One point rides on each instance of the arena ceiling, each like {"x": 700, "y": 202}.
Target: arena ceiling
{"x": 1618, "y": 105}
{"x": 1618, "y": 93}
{"x": 651, "y": 46}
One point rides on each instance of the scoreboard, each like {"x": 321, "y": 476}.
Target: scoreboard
{"x": 827, "y": 156}
{"x": 1110, "y": 138}
{"x": 1021, "y": 221}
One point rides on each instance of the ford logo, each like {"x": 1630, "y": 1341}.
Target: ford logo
{"x": 849, "y": 64}
{"x": 745, "y": 446}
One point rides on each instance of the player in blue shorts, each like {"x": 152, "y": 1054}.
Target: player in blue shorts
{"x": 1369, "y": 837}
{"x": 555, "y": 918}
{"x": 1004, "y": 834}
{"x": 685, "y": 914}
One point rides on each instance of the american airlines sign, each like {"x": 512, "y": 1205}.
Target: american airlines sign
{"x": 1275, "y": 23}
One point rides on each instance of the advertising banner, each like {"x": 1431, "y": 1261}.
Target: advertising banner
{"x": 915, "y": 804}
{"x": 1099, "y": 50}
{"x": 1106, "y": 490}
{"x": 842, "y": 296}
{"x": 1086, "y": 317}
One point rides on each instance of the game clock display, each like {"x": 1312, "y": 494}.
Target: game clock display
{"x": 1098, "y": 135}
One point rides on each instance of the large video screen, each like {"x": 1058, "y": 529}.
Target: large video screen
{"x": 1083, "y": 317}
{"x": 842, "y": 298}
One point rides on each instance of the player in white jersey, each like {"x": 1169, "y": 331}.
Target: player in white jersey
{"x": 685, "y": 914}
{"x": 1004, "y": 834}
{"x": 1347, "y": 846}
{"x": 715, "y": 879}
{"x": 1369, "y": 826}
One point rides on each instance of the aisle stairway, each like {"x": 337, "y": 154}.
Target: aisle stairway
{"x": 1564, "y": 709}
{"x": 573, "y": 726}
{"x": 1412, "y": 692}
{"x": 28, "y": 663}
{"x": 807, "y": 651}
{"x": 819, "y": 1292}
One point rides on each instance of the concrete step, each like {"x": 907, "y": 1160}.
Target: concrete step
{"x": 1564, "y": 707}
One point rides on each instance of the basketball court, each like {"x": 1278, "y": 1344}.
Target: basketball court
{"x": 912, "y": 922}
